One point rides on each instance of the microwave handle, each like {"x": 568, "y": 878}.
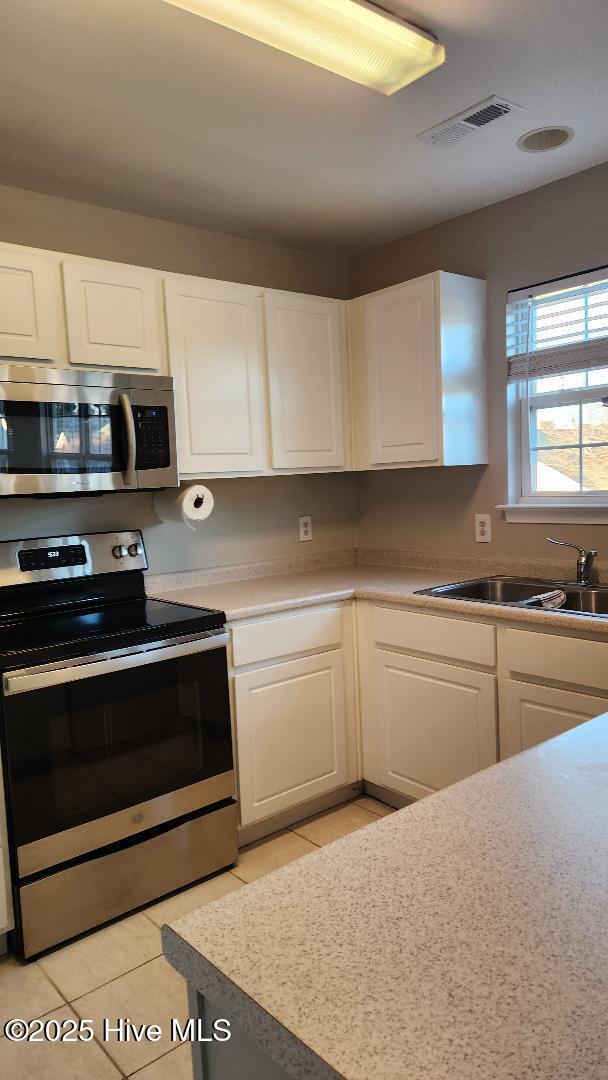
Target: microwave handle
{"x": 129, "y": 475}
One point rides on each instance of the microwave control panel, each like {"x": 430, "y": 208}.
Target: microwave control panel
{"x": 152, "y": 435}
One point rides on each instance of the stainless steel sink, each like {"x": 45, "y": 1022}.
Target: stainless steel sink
{"x": 589, "y": 601}
{"x": 521, "y": 592}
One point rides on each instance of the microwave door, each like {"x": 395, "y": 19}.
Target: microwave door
{"x": 64, "y": 440}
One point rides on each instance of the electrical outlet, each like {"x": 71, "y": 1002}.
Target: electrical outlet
{"x": 305, "y": 528}
{"x": 483, "y": 529}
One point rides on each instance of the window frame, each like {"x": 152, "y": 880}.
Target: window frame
{"x": 553, "y": 399}
{"x": 528, "y": 398}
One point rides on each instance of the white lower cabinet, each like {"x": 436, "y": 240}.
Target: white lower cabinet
{"x": 427, "y": 720}
{"x": 291, "y": 733}
{"x": 531, "y": 713}
{"x": 436, "y": 691}
{"x": 435, "y": 723}
{"x": 294, "y": 708}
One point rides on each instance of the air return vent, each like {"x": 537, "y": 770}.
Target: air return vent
{"x": 465, "y": 123}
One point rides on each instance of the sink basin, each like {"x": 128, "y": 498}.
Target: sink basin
{"x": 520, "y": 592}
{"x": 589, "y": 601}
{"x": 495, "y": 590}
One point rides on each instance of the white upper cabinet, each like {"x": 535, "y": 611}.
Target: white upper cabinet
{"x": 418, "y": 362}
{"x": 307, "y": 372}
{"x": 114, "y": 315}
{"x": 215, "y": 350}
{"x": 402, "y": 374}
{"x": 269, "y": 381}
{"x": 30, "y": 306}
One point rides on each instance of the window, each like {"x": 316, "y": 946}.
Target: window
{"x": 557, "y": 344}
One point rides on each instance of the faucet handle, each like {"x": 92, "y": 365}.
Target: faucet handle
{"x": 565, "y": 543}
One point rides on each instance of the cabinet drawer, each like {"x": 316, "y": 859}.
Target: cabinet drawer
{"x": 560, "y": 659}
{"x": 286, "y": 635}
{"x": 455, "y": 639}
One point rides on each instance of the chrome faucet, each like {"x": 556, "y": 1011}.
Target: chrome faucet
{"x": 584, "y": 562}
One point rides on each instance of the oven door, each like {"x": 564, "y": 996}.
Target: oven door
{"x": 104, "y": 747}
{"x": 65, "y": 439}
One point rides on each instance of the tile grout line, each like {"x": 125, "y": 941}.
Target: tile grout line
{"x": 100, "y": 1043}
{"x": 160, "y": 1058}
{"x": 109, "y": 982}
{"x": 53, "y": 984}
{"x": 71, "y": 1002}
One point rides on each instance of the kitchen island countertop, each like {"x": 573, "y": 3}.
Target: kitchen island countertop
{"x": 463, "y": 938}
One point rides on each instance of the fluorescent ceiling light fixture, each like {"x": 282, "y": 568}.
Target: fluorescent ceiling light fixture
{"x": 349, "y": 37}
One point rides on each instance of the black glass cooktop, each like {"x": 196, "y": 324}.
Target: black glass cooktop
{"x": 77, "y": 629}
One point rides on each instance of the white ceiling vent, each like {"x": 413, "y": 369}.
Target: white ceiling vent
{"x": 465, "y": 123}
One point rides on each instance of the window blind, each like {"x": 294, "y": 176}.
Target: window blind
{"x": 558, "y": 328}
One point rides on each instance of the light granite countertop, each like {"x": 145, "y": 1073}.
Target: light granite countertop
{"x": 255, "y": 596}
{"x": 464, "y": 937}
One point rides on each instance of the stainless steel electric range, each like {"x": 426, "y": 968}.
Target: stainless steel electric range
{"x": 116, "y": 737}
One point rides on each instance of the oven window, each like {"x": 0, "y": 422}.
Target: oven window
{"x": 60, "y": 437}
{"x": 89, "y": 748}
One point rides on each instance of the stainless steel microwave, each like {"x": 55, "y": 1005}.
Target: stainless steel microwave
{"x": 70, "y": 431}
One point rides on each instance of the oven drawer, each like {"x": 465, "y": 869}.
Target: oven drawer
{"x": 63, "y": 846}
{"x": 70, "y": 902}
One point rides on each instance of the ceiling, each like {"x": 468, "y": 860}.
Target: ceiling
{"x": 141, "y": 106}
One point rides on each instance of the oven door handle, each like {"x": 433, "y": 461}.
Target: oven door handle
{"x": 27, "y": 679}
{"x": 129, "y": 475}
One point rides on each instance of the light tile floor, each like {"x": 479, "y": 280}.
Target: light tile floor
{"x": 120, "y": 971}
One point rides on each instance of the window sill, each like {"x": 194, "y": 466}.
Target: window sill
{"x": 555, "y": 513}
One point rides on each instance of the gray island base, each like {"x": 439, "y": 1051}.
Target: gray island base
{"x": 462, "y": 938}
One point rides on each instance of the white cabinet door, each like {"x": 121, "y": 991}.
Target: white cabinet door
{"x": 30, "y": 306}
{"x": 531, "y": 713}
{"x": 402, "y": 358}
{"x": 436, "y": 723}
{"x": 291, "y": 732}
{"x": 114, "y": 315}
{"x": 307, "y": 380}
{"x": 215, "y": 357}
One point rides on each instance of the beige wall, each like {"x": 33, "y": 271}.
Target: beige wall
{"x": 45, "y": 221}
{"x": 254, "y": 519}
{"x": 546, "y": 233}
{"x": 551, "y": 232}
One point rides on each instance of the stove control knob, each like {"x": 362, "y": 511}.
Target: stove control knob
{"x": 119, "y": 551}
{"x": 135, "y": 549}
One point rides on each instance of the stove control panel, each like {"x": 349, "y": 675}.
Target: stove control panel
{"x": 60, "y": 558}
{"x": 51, "y": 558}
